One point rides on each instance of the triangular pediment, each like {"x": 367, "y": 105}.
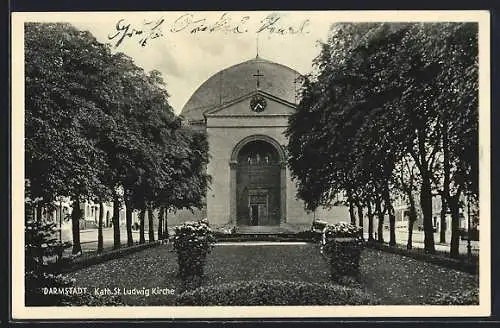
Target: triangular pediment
{"x": 241, "y": 107}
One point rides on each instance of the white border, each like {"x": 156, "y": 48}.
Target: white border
{"x": 19, "y": 311}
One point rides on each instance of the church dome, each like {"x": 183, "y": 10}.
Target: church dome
{"x": 239, "y": 80}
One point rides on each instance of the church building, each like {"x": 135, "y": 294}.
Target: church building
{"x": 244, "y": 111}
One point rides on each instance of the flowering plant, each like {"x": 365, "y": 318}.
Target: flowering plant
{"x": 193, "y": 241}
{"x": 342, "y": 229}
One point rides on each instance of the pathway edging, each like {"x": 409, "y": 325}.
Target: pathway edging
{"x": 82, "y": 262}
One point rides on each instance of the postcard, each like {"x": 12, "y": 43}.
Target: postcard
{"x": 250, "y": 164}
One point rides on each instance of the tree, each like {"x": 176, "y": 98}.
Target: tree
{"x": 377, "y": 98}
{"x": 337, "y": 141}
{"x": 406, "y": 180}
{"x": 100, "y": 128}
{"x": 151, "y": 231}
{"x": 161, "y": 222}
{"x": 188, "y": 180}
{"x": 116, "y": 220}
{"x": 142, "y": 214}
{"x": 62, "y": 155}
{"x": 100, "y": 239}
{"x": 137, "y": 150}
{"x": 90, "y": 118}
{"x": 458, "y": 112}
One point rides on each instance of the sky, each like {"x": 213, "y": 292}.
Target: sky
{"x": 189, "y": 47}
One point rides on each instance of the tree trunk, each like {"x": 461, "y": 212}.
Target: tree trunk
{"x": 409, "y": 243}
{"x": 351, "y": 208}
{"x": 165, "y": 230}
{"x": 370, "y": 221}
{"x": 151, "y": 230}
{"x": 142, "y": 214}
{"x": 392, "y": 218}
{"x": 380, "y": 216}
{"x": 116, "y": 223}
{"x": 425, "y": 190}
{"x": 360, "y": 215}
{"x": 76, "y": 215}
{"x": 38, "y": 213}
{"x": 411, "y": 220}
{"x": 128, "y": 221}
{"x": 446, "y": 181}
{"x": 392, "y": 227}
{"x": 426, "y": 204}
{"x": 160, "y": 224}
{"x": 442, "y": 225}
{"x": 455, "y": 225}
{"x": 33, "y": 212}
{"x": 100, "y": 241}
{"x": 29, "y": 209}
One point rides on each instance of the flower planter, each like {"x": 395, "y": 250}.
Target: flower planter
{"x": 191, "y": 263}
{"x": 192, "y": 241}
{"x": 342, "y": 245}
{"x": 344, "y": 258}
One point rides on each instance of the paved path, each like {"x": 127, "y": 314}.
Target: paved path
{"x": 418, "y": 241}
{"x": 89, "y": 239}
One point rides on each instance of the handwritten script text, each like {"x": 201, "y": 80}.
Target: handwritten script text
{"x": 272, "y": 24}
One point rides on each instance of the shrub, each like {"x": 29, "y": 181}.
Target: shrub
{"x": 342, "y": 244}
{"x": 42, "y": 258}
{"x": 41, "y": 247}
{"x": 274, "y": 292}
{"x": 193, "y": 241}
{"x": 35, "y": 281}
{"x": 462, "y": 297}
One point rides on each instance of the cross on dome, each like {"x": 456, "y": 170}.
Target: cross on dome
{"x": 258, "y": 75}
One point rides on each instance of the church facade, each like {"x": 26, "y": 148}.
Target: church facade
{"x": 244, "y": 111}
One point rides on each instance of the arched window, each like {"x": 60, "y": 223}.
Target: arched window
{"x": 258, "y": 152}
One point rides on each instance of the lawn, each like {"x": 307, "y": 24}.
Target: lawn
{"x": 392, "y": 278}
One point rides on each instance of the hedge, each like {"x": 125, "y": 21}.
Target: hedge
{"x": 275, "y": 292}
{"x": 463, "y": 297}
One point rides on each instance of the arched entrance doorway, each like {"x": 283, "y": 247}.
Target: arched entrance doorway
{"x": 257, "y": 182}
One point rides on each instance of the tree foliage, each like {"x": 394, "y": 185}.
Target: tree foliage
{"x": 96, "y": 123}
{"x": 379, "y": 94}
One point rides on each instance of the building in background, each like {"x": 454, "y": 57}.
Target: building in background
{"x": 63, "y": 207}
{"x": 244, "y": 111}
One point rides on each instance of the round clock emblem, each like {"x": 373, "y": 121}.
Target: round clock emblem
{"x": 258, "y": 103}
